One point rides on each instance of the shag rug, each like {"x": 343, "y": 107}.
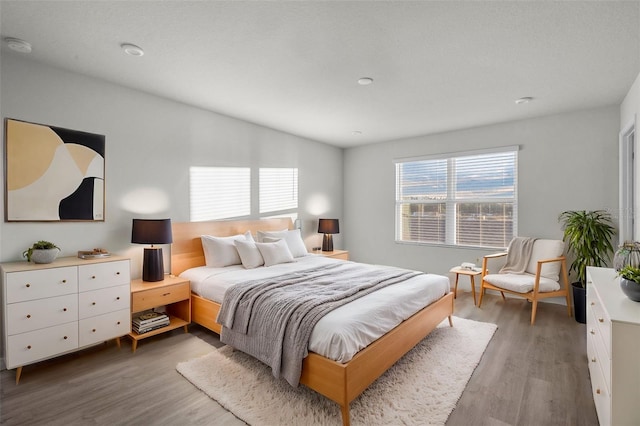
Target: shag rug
{"x": 421, "y": 388}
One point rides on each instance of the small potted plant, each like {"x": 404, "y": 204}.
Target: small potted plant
{"x": 41, "y": 252}
{"x": 630, "y": 282}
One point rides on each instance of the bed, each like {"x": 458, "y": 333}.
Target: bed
{"x": 340, "y": 382}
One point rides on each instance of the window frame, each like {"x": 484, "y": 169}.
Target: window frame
{"x": 451, "y": 201}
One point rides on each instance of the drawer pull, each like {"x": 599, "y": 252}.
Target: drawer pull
{"x": 93, "y": 303}
{"x": 29, "y": 347}
{"x": 593, "y": 303}
{"x": 598, "y": 391}
{"x": 166, "y": 294}
{"x": 592, "y": 331}
{"x": 64, "y": 309}
{"x": 28, "y": 285}
{"x": 93, "y": 277}
{"x": 65, "y": 337}
{"x": 118, "y": 273}
{"x": 94, "y": 330}
{"x": 118, "y": 298}
{"x": 64, "y": 281}
{"x": 593, "y": 360}
{"x": 601, "y": 319}
{"x": 118, "y": 323}
{"x": 28, "y": 315}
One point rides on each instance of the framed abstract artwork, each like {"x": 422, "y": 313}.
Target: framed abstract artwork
{"x": 53, "y": 174}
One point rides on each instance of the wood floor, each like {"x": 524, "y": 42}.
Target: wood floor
{"x": 528, "y": 376}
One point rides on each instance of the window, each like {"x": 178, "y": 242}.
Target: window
{"x": 466, "y": 199}
{"x": 278, "y": 190}
{"x": 219, "y": 192}
{"x": 227, "y": 192}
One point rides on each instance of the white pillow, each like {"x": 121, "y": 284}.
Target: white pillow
{"x": 293, "y": 239}
{"x": 249, "y": 254}
{"x": 275, "y": 253}
{"x": 221, "y": 251}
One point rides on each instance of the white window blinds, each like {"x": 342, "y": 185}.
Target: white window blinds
{"x": 278, "y": 189}
{"x": 467, "y": 199}
{"x": 219, "y": 192}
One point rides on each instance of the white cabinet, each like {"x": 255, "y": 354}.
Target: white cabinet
{"x": 613, "y": 349}
{"x": 51, "y": 309}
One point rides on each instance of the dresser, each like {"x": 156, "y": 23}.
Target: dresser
{"x": 56, "y": 308}
{"x": 613, "y": 349}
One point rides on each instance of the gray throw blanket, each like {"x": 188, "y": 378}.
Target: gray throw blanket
{"x": 518, "y": 255}
{"x": 272, "y": 319}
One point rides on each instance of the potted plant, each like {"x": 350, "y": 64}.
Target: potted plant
{"x": 41, "y": 252}
{"x": 630, "y": 282}
{"x": 588, "y": 235}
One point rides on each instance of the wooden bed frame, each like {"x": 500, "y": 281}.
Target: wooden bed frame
{"x": 341, "y": 383}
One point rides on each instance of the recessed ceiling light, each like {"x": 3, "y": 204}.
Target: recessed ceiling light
{"x": 524, "y": 100}
{"x": 18, "y": 45}
{"x": 365, "y": 81}
{"x": 132, "y": 49}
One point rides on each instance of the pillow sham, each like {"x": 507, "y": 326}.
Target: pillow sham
{"x": 221, "y": 251}
{"x": 292, "y": 238}
{"x": 275, "y": 253}
{"x": 249, "y": 254}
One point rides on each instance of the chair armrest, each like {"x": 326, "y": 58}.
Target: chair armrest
{"x": 494, "y": 255}
{"x": 555, "y": 259}
{"x": 490, "y": 256}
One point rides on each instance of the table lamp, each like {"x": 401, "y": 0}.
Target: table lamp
{"x": 328, "y": 227}
{"x": 152, "y": 231}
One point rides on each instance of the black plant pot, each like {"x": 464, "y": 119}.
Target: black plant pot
{"x": 580, "y": 302}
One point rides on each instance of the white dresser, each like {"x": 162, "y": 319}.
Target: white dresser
{"x": 613, "y": 348}
{"x": 51, "y": 309}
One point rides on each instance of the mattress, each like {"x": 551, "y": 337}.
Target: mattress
{"x": 345, "y": 331}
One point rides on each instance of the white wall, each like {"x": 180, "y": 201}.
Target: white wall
{"x": 630, "y": 106}
{"x": 566, "y": 162}
{"x": 150, "y": 144}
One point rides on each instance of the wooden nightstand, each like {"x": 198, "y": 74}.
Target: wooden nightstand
{"x": 471, "y": 273}
{"x": 173, "y": 292}
{"x": 336, "y": 254}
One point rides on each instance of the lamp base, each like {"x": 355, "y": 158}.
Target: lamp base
{"x": 153, "y": 264}
{"x": 327, "y": 242}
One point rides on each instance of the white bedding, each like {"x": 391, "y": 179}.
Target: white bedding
{"x": 343, "y": 332}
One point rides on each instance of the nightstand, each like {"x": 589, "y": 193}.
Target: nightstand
{"x": 336, "y": 254}
{"x": 471, "y": 273}
{"x": 174, "y": 293}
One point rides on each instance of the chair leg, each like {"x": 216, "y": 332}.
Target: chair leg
{"x": 569, "y": 305}
{"x": 481, "y": 295}
{"x": 503, "y": 298}
{"x": 534, "y": 308}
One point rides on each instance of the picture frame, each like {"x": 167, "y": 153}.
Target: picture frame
{"x": 53, "y": 174}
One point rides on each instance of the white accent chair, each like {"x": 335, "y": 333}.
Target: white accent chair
{"x": 545, "y": 276}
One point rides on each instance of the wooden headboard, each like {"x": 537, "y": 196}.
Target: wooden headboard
{"x": 186, "y": 250}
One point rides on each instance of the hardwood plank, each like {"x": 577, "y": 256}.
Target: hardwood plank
{"x": 529, "y": 375}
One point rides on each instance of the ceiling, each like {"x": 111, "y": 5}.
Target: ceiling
{"x": 293, "y": 66}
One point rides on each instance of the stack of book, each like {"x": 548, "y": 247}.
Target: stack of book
{"x": 148, "y": 321}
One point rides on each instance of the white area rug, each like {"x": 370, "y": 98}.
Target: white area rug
{"x": 422, "y": 388}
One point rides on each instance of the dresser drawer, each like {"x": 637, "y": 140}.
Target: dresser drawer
{"x": 597, "y": 356}
{"x": 104, "y": 327}
{"x": 41, "y": 313}
{"x": 98, "y": 302}
{"x": 42, "y": 283}
{"x": 100, "y": 275}
{"x": 601, "y": 395}
{"x": 142, "y": 300}
{"x": 598, "y": 322}
{"x": 29, "y": 347}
